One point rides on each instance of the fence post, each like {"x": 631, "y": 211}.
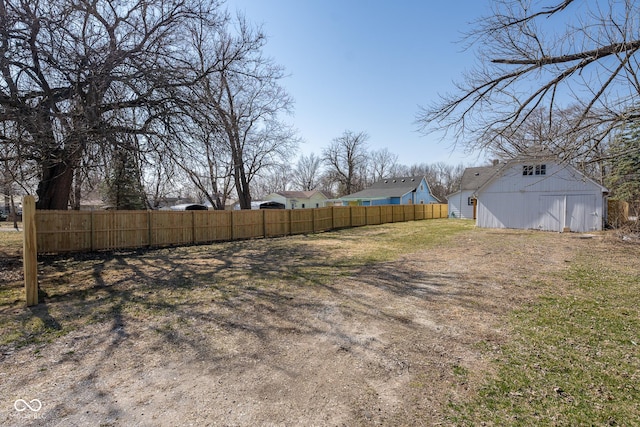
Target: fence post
{"x": 350, "y": 216}
{"x": 93, "y": 233}
{"x": 193, "y": 227}
{"x": 233, "y": 237}
{"x": 149, "y": 232}
{"x": 30, "y": 250}
{"x": 264, "y": 223}
{"x": 333, "y": 217}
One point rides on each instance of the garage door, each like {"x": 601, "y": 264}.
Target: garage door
{"x": 580, "y": 213}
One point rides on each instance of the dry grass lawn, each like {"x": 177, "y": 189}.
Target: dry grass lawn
{"x": 398, "y": 324}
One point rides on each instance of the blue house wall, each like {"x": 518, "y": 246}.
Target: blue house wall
{"x": 422, "y": 194}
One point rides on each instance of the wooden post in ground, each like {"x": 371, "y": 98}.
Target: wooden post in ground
{"x": 30, "y": 250}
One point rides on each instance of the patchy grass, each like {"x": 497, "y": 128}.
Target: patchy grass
{"x": 10, "y": 240}
{"x": 574, "y": 357}
{"x": 570, "y": 357}
{"x": 148, "y": 285}
{"x": 379, "y": 243}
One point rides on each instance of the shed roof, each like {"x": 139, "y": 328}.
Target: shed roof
{"x": 538, "y": 159}
{"x": 474, "y": 178}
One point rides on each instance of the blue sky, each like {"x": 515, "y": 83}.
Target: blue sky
{"x": 366, "y": 65}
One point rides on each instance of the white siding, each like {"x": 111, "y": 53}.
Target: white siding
{"x": 557, "y": 178}
{"x": 459, "y": 205}
{"x": 317, "y": 199}
{"x": 561, "y": 198}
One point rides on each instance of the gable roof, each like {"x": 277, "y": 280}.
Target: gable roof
{"x": 474, "y": 178}
{"x": 390, "y": 187}
{"x": 538, "y": 159}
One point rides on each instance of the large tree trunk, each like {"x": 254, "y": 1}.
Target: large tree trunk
{"x": 55, "y": 186}
{"x": 242, "y": 186}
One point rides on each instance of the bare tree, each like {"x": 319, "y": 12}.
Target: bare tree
{"x": 552, "y": 133}
{"x": 307, "y": 174}
{"x": 383, "y": 164}
{"x": 272, "y": 179}
{"x": 442, "y": 178}
{"x": 89, "y": 72}
{"x": 239, "y": 106}
{"x": 344, "y": 159}
{"x": 535, "y": 57}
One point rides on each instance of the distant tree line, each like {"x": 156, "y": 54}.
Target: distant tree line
{"x": 347, "y": 165}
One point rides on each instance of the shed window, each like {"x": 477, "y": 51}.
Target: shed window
{"x": 469, "y": 201}
{"x": 530, "y": 170}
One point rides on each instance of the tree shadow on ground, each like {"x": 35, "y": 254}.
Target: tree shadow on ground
{"x": 265, "y": 294}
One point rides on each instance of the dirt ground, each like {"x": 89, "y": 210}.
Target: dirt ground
{"x": 390, "y": 344}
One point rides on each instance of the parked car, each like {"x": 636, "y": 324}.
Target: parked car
{"x": 189, "y": 207}
{"x": 3, "y": 215}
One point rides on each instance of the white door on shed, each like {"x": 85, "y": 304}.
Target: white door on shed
{"x": 582, "y": 213}
{"x": 551, "y": 209}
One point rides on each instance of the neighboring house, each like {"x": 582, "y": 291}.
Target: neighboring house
{"x": 540, "y": 193}
{"x": 462, "y": 203}
{"x": 299, "y": 199}
{"x": 393, "y": 191}
{"x": 92, "y": 204}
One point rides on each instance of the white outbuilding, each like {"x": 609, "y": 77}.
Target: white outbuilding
{"x": 540, "y": 193}
{"x": 462, "y": 203}
{"x": 299, "y": 199}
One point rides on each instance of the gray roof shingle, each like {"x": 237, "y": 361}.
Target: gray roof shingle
{"x": 391, "y": 187}
{"x": 474, "y": 178}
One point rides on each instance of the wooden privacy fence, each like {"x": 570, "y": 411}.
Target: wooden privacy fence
{"x": 617, "y": 212}
{"x": 76, "y": 231}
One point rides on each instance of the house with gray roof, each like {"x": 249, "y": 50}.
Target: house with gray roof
{"x": 393, "y": 191}
{"x": 299, "y": 199}
{"x": 462, "y": 203}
